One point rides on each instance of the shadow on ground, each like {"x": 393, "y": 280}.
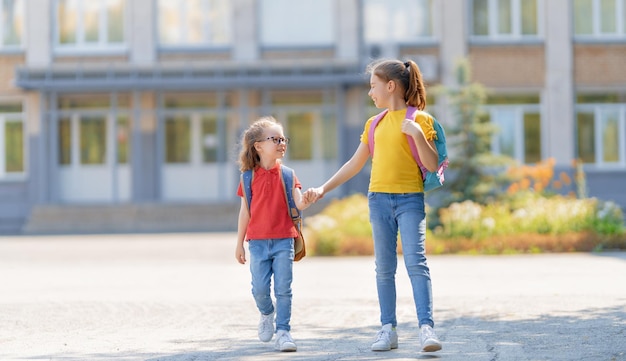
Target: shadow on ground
{"x": 592, "y": 334}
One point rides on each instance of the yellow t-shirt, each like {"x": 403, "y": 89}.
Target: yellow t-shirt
{"x": 393, "y": 168}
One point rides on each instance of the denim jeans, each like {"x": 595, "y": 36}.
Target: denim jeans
{"x": 404, "y": 212}
{"x": 267, "y": 257}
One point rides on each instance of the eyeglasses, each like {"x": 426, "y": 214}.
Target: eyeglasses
{"x": 276, "y": 141}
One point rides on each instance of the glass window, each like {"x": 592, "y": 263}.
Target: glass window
{"x": 299, "y": 129}
{"x": 301, "y": 23}
{"x": 519, "y": 127}
{"x": 177, "y": 139}
{"x": 600, "y": 18}
{"x": 90, "y": 23}
{"x": 601, "y": 133}
{"x": 586, "y": 137}
{"x": 209, "y": 139}
{"x": 14, "y": 146}
{"x": 195, "y": 22}
{"x": 93, "y": 140}
{"x": 123, "y": 139}
{"x": 65, "y": 141}
{"x": 12, "y": 30}
{"x": 505, "y": 19}
{"x": 610, "y": 136}
{"x": 12, "y": 141}
{"x": 398, "y": 20}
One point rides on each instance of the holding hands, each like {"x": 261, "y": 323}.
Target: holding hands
{"x": 313, "y": 194}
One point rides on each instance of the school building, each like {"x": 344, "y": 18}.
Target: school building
{"x": 120, "y": 115}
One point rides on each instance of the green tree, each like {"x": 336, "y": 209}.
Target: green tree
{"x": 476, "y": 173}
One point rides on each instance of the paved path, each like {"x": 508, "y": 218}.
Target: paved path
{"x": 182, "y": 297}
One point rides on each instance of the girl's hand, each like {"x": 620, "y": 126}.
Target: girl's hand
{"x": 411, "y": 127}
{"x": 240, "y": 254}
{"x": 313, "y": 194}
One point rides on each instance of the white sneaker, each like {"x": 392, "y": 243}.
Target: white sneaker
{"x": 266, "y": 327}
{"x": 430, "y": 342}
{"x": 284, "y": 342}
{"x": 386, "y": 339}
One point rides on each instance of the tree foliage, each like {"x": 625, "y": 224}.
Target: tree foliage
{"x": 476, "y": 173}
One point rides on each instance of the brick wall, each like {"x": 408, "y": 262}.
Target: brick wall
{"x": 599, "y": 64}
{"x": 508, "y": 66}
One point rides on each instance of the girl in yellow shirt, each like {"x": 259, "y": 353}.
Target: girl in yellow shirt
{"x": 396, "y": 194}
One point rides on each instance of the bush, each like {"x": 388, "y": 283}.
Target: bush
{"x": 528, "y": 223}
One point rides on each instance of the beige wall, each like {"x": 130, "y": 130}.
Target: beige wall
{"x": 508, "y": 66}
{"x": 599, "y": 64}
{"x": 8, "y": 66}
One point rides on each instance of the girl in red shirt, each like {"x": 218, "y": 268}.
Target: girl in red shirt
{"x": 268, "y": 228}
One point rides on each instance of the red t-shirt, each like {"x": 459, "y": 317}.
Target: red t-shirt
{"x": 269, "y": 217}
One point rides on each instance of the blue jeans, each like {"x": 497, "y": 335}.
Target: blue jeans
{"x": 267, "y": 257}
{"x": 404, "y": 212}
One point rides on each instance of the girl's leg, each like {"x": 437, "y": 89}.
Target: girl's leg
{"x": 282, "y": 253}
{"x": 385, "y": 231}
{"x": 412, "y": 224}
{"x": 261, "y": 270}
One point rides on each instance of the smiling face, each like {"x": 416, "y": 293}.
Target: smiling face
{"x": 380, "y": 91}
{"x": 272, "y": 144}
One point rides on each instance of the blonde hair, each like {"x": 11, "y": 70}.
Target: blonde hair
{"x": 248, "y": 156}
{"x": 406, "y": 75}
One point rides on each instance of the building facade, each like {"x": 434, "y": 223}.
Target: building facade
{"x": 117, "y": 102}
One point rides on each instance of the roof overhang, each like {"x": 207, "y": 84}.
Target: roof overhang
{"x": 186, "y": 76}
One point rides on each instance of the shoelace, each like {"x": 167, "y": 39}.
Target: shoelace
{"x": 427, "y": 333}
{"x": 383, "y": 335}
{"x": 285, "y": 337}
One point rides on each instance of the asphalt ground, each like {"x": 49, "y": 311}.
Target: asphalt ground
{"x": 183, "y": 297}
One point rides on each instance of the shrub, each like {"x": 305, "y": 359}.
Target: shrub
{"x": 528, "y": 223}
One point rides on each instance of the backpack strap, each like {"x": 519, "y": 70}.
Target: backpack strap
{"x": 287, "y": 177}
{"x": 410, "y": 114}
{"x": 246, "y": 186}
{"x": 370, "y": 133}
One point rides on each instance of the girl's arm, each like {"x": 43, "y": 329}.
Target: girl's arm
{"x": 426, "y": 149}
{"x": 242, "y": 227}
{"x": 347, "y": 171}
{"x": 299, "y": 199}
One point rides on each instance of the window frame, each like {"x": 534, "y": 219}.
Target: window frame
{"x": 598, "y": 109}
{"x": 83, "y": 47}
{"x": 13, "y": 117}
{"x": 516, "y": 35}
{"x": 519, "y": 110}
{"x": 205, "y": 44}
{"x": 22, "y": 44}
{"x": 429, "y": 39}
{"x": 596, "y": 18}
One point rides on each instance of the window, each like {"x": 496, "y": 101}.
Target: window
{"x": 90, "y": 24}
{"x": 302, "y": 23}
{"x": 309, "y": 121}
{"x": 505, "y": 19}
{"x": 401, "y": 21}
{"x": 194, "y": 23}
{"x": 518, "y": 120}
{"x": 601, "y": 131}
{"x": 12, "y": 24}
{"x": 12, "y": 161}
{"x": 599, "y": 19}
{"x": 194, "y": 133}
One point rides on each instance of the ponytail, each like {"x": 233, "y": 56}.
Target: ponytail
{"x": 415, "y": 94}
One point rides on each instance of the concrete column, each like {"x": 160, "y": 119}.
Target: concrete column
{"x": 142, "y": 29}
{"x": 246, "y": 28}
{"x": 451, "y": 29}
{"x": 347, "y": 30}
{"x": 558, "y": 96}
{"x": 38, "y": 32}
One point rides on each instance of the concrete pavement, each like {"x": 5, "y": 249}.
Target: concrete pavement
{"x": 183, "y": 297}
